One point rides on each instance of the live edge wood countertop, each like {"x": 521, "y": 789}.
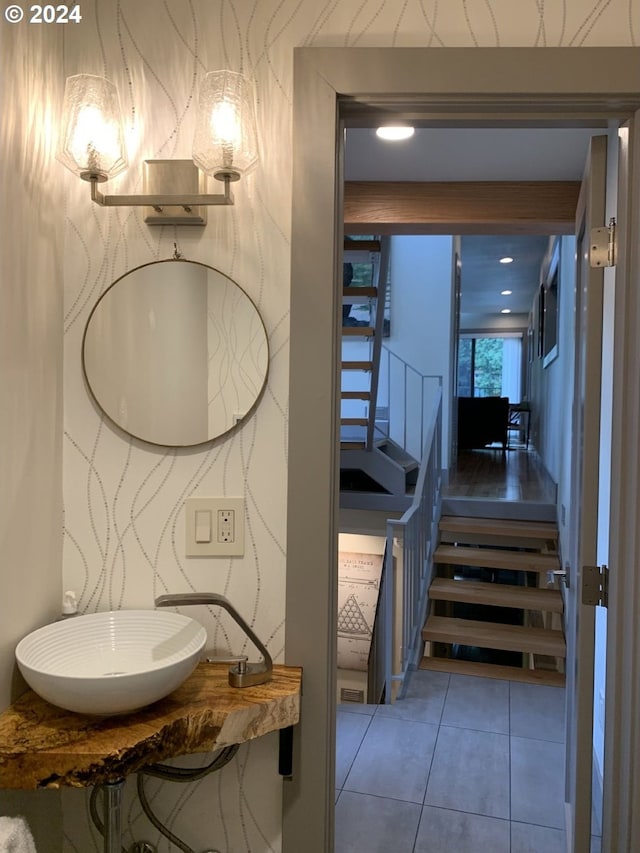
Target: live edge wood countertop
{"x": 42, "y": 746}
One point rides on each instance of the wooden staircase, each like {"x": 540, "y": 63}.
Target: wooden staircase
{"x": 362, "y": 331}
{"x": 375, "y": 471}
{"x": 492, "y": 612}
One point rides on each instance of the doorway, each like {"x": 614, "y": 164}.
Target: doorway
{"x": 418, "y": 743}
{"x": 473, "y": 83}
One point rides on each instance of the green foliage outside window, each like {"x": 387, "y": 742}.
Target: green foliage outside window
{"x": 480, "y": 367}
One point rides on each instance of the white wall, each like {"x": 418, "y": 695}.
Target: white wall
{"x": 421, "y": 324}
{"x": 123, "y": 499}
{"x": 30, "y": 370}
{"x": 552, "y": 390}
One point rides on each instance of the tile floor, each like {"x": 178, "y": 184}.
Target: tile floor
{"x": 461, "y": 765}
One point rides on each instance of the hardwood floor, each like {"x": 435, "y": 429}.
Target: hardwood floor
{"x": 516, "y": 475}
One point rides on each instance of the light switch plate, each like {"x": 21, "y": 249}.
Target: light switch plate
{"x": 227, "y": 527}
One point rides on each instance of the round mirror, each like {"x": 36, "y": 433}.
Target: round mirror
{"x": 175, "y": 353}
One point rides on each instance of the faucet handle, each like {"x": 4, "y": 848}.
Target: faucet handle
{"x": 239, "y": 659}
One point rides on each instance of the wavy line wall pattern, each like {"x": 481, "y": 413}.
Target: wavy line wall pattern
{"x": 123, "y": 499}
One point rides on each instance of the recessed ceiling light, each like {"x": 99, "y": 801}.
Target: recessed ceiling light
{"x": 506, "y": 311}
{"x": 393, "y": 134}
{"x": 506, "y": 292}
{"x": 506, "y": 260}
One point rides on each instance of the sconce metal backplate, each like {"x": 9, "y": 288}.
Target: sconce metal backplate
{"x": 174, "y": 177}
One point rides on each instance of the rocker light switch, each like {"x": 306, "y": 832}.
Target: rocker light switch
{"x": 214, "y": 527}
{"x": 203, "y": 525}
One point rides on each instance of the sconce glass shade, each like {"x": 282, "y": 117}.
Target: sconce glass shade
{"x": 225, "y": 144}
{"x": 91, "y": 141}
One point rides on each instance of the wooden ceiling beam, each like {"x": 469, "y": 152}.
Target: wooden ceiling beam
{"x": 465, "y": 207}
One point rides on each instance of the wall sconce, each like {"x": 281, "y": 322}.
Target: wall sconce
{"x": 225, "y": 146}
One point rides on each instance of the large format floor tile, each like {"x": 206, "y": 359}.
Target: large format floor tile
{"x": 477, "y": 703}
{"x": 366, "y": 824}
{"x": 424, "y": 699}
{"x": 537, "y": 711}
{"x": 446, "y": 831}
{"x": 393, "y": 760}
{"x": 350, "y": 731}
{"x": 470, "y": 772}
{"x": 527, "y": 838}
{"x": 460, "y": 765}
{"x": 537, "y": 782}
{"x": 357, "y": 708}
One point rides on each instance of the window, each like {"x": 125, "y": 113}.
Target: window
{"x": 490, "y": 366}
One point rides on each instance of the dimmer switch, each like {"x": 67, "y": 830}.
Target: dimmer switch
{"x": 214, "y": 527}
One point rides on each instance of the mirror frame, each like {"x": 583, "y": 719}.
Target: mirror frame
{"x": 93, "y": 394}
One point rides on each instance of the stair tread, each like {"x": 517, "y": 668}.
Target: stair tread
{"x": 355, "y": 395}
{"x": 356, "y": 293}
{"x": 358, "y": 331}
{"x": 497, "y": 594}
{"x": 352, "y": 445}
{"x": 354, "y": 421}
{"x": 351, "y": 245}
{"x": 496, "y": 558}
{"x": 357, "y": 365}
{"x": 491, "y": 670}
{"x": 491, "y": 635}
{"x": 499, "y": 527}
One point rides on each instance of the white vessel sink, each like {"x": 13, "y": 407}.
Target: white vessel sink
{"x": 111, "y": 663}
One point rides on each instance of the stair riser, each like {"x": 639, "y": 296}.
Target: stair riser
{"x": 488, "y": 508}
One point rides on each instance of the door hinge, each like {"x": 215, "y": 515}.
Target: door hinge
{"x": 602, "y": 252}
{"x": 595, "y": 585}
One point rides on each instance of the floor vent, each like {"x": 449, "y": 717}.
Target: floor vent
{"x": 347, "y": 694}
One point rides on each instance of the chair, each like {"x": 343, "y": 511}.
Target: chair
{"x": 520, "y": 421}
{"x": 482, "y": 421}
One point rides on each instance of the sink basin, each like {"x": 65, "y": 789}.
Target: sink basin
{"x": 113, "y": 662}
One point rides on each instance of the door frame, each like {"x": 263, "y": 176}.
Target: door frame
{"x": 337, "y": 87}
{"x": 582, "y": 547}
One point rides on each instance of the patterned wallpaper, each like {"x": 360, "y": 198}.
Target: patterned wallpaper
{"x": 30, "y": 368}
{"x": 124, "y": 541}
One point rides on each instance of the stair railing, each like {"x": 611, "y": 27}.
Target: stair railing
{"x": 410, "y": 398}
{"x": 408, "y": 566}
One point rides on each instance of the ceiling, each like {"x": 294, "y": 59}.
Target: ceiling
{"x": 479, "y": 154}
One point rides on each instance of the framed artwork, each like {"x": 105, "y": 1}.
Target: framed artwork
{"x": 550, "y": 291}
{"x": 541, "y": 322}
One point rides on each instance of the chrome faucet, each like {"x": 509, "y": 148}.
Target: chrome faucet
{"x": 243, "y": 674}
